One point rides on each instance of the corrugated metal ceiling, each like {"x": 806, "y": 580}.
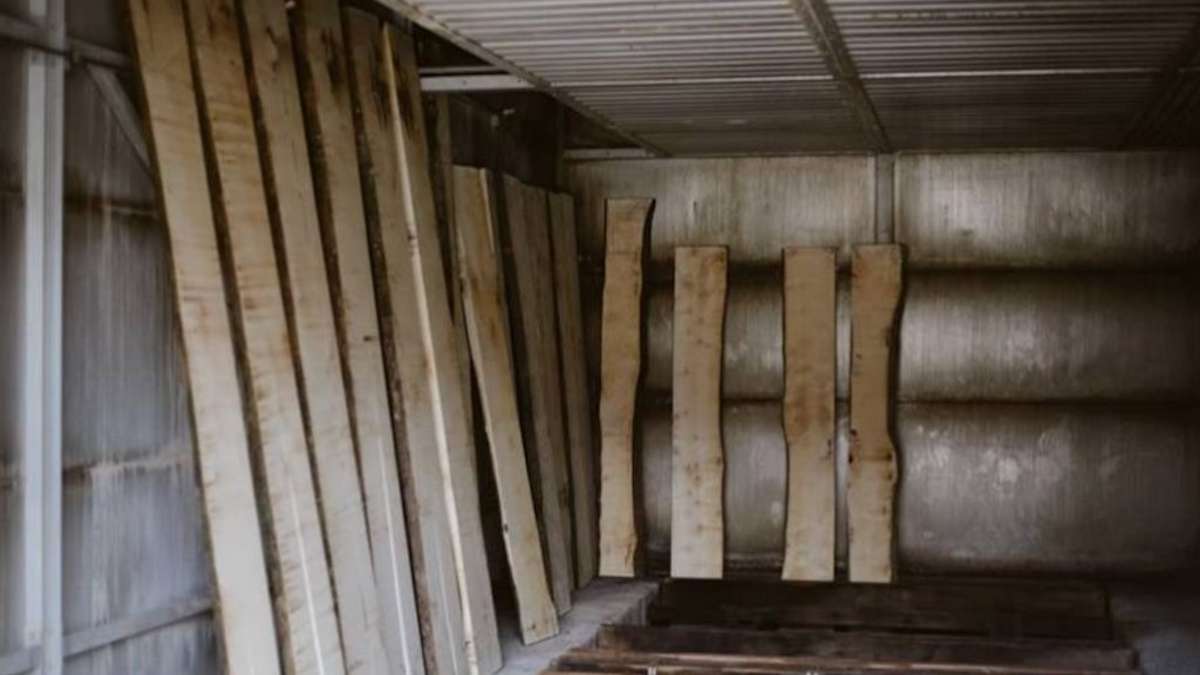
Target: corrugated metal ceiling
{"x": 746, "y": 76}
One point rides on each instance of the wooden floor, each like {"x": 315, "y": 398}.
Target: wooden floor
{"x": 919, "y": 626}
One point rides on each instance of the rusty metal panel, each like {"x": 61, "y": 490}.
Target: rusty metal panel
{"x": 1049, "y": 210}
{"x": 755, "y": 206}
{"x": 983, "y": 487}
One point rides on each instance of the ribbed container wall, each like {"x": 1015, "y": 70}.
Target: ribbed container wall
{"x": 1047, "y": 376}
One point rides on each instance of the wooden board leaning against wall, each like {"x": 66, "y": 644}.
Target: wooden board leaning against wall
{"x": 245, "y": 618}
{"x": 528, "y": 220}
{"x": 627, "y": 230}
{"x": 871, "y": 488}
{"x": 486, "y": 312}
{"x": 698, "y": 454}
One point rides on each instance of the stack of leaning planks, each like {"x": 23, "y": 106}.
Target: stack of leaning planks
{"x": 331, "y": 402}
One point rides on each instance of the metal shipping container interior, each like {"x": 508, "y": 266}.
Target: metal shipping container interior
{"x": 1035, "y": 164}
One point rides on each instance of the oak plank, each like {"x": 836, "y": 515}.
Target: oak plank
{"x": 486, "y": 313}
{"x": 576, "y": 400}
{"x": 698, "y": 454}
{"x": 528, "y": 221}
{"x": 335, "y": 435}
{"x": 620, "y": 369}
{"x": 443, "y": 376}
{"x": 368, "y": 308}
{"x": 809, "y": 424}
{"x": 245, "y": 621}
{"x": 306, "y": 597}
{"x": 871, "y": 488}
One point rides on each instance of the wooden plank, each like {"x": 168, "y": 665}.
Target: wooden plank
{"x": 443, "y": 377}
{"x": 335, "y": 435}
{"x": 600, "y": 661}
{"x": 620, "y": 369}
{"x": 698, "y": 454}
{"x": 443, "y": 171}
{"x": 867, "y": 645}
{"x": 365, "y": 307}
{"x": 871, "y": 488}
{"x": 311, "y": 627}
{"x": 576, "y": 400}
{"x": 487, "y": 324}
{"x": 1007, "y": 610}
{"x": 809, "y": 296}
{"x": 245, "y": 621}
{"x": 530, "y": 237}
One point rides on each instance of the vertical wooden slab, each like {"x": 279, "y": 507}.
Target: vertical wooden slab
{"x": 871, "y": 488}
{"x": 289, "y": 179}
{"x": 487, "y": 324}
{"x": 575, "y": 386}
{"x": 528, "y": 224}
{"x": 245, "y": 620}
{"x": 809, "y": 424}
{"x": 339, "y": 189}
{"x": 307, "y": 601}
{"x": 698, "y": 455}
{"x": 455, "y": 442}
{"x": 627, "y": 221}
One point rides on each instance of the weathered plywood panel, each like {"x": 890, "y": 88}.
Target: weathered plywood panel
{"x": 247, "y": 625}
{"x": 809, "y": 422}
{"x": 486, "y": 313}
{"x": 442, "y": 372}
{"x": 576, "y": 398}
{"x": 340, "y": 191}
{"x": 307, "y": 605}
{"x": 698, "y": 454}
{"x": 294, "y": 210}
{"x": 871, "y": 486}
{"x": 620, "y": 369}
{"x": 528, "y": 218}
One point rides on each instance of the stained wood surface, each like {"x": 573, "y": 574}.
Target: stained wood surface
{"x": 528, "y": 225}
{"x": 311, "y": 313}
{"x": 486, "y": 312}
{"x": 245, "y": 620}
{"x": 274, "y": 398}
{"x": 443, "y": 375}
{"x": 576, "y": 399}
{"x": 698, "y": 455}
{"x": 871, "y": 488}
{"x": 809, "y": 424}
{"x": 330, "y": 106}
{"x": 620, "y": 370}
{"x": 945, "y": 649}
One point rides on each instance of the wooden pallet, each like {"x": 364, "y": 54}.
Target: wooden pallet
{"x": 919, "y": 626}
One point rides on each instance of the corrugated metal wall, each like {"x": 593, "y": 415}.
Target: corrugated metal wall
{"x": 1048, "y": 378}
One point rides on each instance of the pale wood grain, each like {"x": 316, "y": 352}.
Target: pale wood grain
{"x": 443, "y": 375}
{"x": 340, "y": 199}
{"x": 528, "y": 220}
{"x": 335, "y": 436}
{"x": 245, "y": 621}
{"x": 698, "y": 455}
{"x": 486, "y": 312}
{"x": 576, "y": 399}
{"x": 809, "y": 328}
{"x": 871, "y": 489}
{"x": 306, "y": 600}
{"x": 620, "y": 369}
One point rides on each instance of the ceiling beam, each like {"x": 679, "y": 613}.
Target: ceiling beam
{"x": 828, "y": 39}
{"x": 435, "y": 26}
